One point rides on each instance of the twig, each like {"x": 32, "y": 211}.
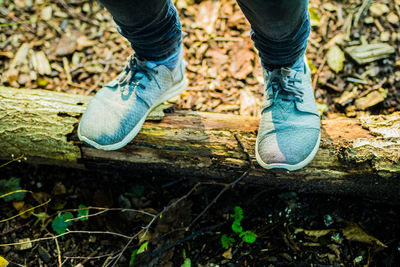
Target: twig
{"x": 67, "y": 69}
{"x": 105, "y": 70}
{"x": 7, "y": 13}
{"x": 58, "y": 253}
{"x": 11, "y": 161}
{"x": 228, "y": 186}
{"x": 77, "y": 15}
{"x": 66, "y": 233}
{"x": 15, "y": 23}
{"x": 334, "y": 87}
{"x": 90, "y": 256}
{"x": 25, "y": 211}
{"x": 146, "y": 229}
{"x": 208, "y": 230}
{"x": 359, "y": 13}
{"x": 103, "y": 210}
{"x": 227, "y": 39}
{"x": 86, "y": 258}
{"x": 16, "y": 228}
{"x": 316, "y": 75}
{"x": 77, "y": 85}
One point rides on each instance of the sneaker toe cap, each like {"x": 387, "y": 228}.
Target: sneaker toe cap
{"x": 288, "y": 147}
{"x": 101, "y": 124}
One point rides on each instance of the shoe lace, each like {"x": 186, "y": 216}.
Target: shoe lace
{"x": 132, "y": 71}
{"x": 283, "y": 82}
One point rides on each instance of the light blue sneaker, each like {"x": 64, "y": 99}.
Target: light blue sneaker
{"x": 117, "y": 112}
{"x": 289, "y": 132}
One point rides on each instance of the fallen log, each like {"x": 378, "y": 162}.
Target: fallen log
{"x": 356, "y": 156}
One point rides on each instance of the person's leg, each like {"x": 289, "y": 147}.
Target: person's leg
{"x": 154, "y": 74}
{"x": 151, "y": 26}
{"x": 289, "y": 131}
{"x": 280, "y": 29}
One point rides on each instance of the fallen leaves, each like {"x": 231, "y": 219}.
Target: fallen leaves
{"x": 335, "y": 58}
{"x": 75, "y": 47}
{"x": 354, "y": 233}
{"x": 367, "y": 53}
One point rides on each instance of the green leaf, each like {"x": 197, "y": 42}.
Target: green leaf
{"x": 143, "y": 247}
{"x": 248, "y": 237}
{"x": 236, "y": 227}
{"x": 238, "y": 214}
{"x": 11, "y": 185}
{"x": 133, "y": 256}
{"x": 227, "y": 241}
{"x": 322, "y": 108}
{"x": 137, "y": 190}
{"x": 83, "y": 212}
{"x": 59, "y": 223}
{"x": 314, "y": 17}
{"x": 187, "y": 263}
{"x": 313, "y": 69}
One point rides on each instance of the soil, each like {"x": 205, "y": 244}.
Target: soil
{"x": 279, "y": 219}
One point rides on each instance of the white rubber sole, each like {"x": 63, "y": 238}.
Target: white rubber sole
{"x": 173, "y": 91}
{"x": 288, "y": 166}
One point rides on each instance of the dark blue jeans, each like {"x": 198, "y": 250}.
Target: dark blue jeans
{"x": 280, "y": 28}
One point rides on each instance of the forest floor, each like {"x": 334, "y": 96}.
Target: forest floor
{"x": 74, "y": 47}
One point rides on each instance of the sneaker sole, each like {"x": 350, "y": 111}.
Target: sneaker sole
{"x": 289, "y": 167}
{"x": 173, "y": 91}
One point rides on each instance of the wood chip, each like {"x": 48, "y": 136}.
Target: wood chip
{"x": 67, "y": 44}
{"x": 369, "y": 100}
{"x": 46, "y": 13}
{"x": 26, "y": 244}
{"x": 41, "y": 63}
{"x": 367, "y": 53}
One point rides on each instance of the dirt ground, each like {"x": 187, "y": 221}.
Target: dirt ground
{"x": 73, "y": 46}
{"x": 292, "y": 229}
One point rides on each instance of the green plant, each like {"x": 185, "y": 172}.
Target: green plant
{"x": 60, "y": 223}
{"x": 63, "y": 219}
{"x": 227, "y": 241}
{"x": 140, "y": 250}
{"x": 8, "y": 187}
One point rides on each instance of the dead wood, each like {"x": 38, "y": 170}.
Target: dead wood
{"x": 356, "y": 156}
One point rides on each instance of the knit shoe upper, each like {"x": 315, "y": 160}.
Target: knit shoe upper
{"x": 289, "y": 131}
{"x": 117, "y": 112}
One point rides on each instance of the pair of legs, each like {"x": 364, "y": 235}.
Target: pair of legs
{"x": 280, "y": 28}
{"x": 289, "y": 130}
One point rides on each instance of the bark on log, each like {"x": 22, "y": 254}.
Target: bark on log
{"x": 356, "y": 156}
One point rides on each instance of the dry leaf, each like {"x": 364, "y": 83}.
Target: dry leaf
{"x": 227, "y": 254}
{"x": 27, "y": 214}
{"x": 26, "y": 244}
{"x": 370, "y": 100}
{"x": 3, "y": 262}
{"x": 18, "y": 204}
{"x": 68, "y": 43}
{"x": 378, "y": 9}
{"x": 335, "y": 58}
{"x": 41, "y": 63}
{"x": 315, "y": 233}
{"x": 354, "y": 233}
{"x": 367, "y": 53}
